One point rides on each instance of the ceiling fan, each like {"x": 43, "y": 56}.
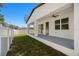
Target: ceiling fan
{"x": 55, "y": 15}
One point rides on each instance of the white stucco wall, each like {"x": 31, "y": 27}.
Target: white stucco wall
{"x": 63, "y": 33}
{"x": 42, "y": 15}
{"x": 69, "y": 12}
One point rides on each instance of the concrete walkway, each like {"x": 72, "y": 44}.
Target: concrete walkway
{"x": 61, "y": 41}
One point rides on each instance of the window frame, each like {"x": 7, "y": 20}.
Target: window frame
{"x": 62, "y": 23}
{"x": 65, "y": 23}
{"x": 57, "y": 24}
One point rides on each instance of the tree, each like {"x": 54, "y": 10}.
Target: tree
{"x": 1, "y": 19}
{"x": 1, "y": 5}
{"x": 1, "y": 16}
{"x": 26, "y": 17}
{"x": 13, "y": 26}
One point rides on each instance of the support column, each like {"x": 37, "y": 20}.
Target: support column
{"x": 35, "y": 28}
{"x": 76, "y": 29}
{"x": 44, "y": 31}
{"x": 8, "y": 36}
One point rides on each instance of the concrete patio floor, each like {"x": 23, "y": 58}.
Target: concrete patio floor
{"x": 61, "y": 41}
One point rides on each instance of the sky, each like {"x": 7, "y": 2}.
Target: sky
{"x": 14, "y": 12}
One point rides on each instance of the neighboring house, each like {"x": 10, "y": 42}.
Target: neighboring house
{"x": 56, "y": 24}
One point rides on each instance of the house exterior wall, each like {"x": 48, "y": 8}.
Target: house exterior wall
{"x": 31, "y": 31}
{"x": 63, "y": 33}
{"x": 60, "y": 33}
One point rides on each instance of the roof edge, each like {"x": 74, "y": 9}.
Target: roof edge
{"x": 33, "y": 11}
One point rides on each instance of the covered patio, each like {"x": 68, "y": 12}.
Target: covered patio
{"x": 68, "y": 43}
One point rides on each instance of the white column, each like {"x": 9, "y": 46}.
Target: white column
{"x": 35, "y": 28}
{"x": 76, "y": 29}
{"x": 8, "y": 34}
{"x": 44, "y": 30}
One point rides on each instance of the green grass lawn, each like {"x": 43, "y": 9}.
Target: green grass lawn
{"x": 27, "y": 46}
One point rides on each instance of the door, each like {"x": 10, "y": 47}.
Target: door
{"x": 47, "y": 28}
{"x": 41, "y": 28}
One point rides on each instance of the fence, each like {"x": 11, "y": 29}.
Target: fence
{"x": 20, "y": 32}
{"x": 6, "y": 36}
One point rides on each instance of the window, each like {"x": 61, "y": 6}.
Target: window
{"x": 65, "y": 26}
{"x": 65, "y": 23}
{"x": 57, "y": 27}
{"x": 57, "y": 24}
